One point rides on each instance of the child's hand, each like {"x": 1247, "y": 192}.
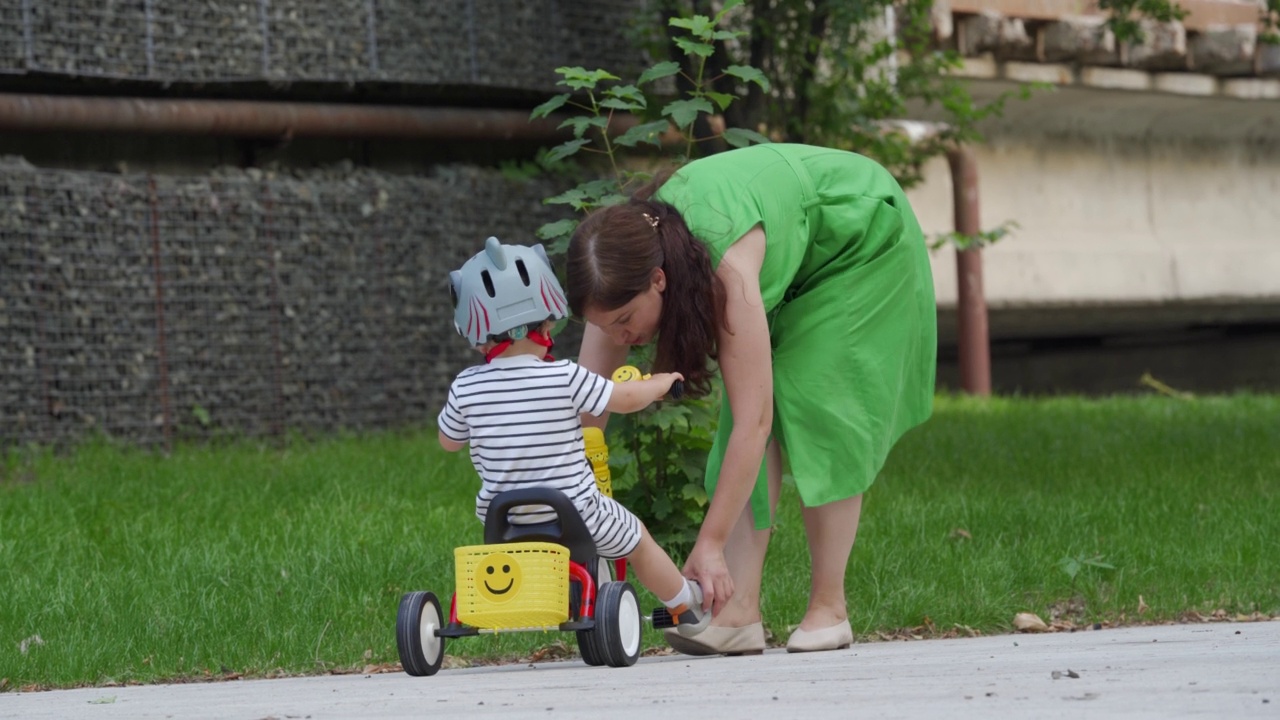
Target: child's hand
{"x": 638, "y": 394}
{"x": 663, "y": 383}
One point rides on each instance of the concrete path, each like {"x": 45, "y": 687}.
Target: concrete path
{"x": 1221, "y": 670}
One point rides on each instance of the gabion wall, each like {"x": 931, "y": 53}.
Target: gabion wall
{"x": 506, "y": 43}
{"x": 154, "y": 308}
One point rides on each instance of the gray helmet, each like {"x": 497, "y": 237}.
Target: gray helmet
{"x": 503, "y": 288}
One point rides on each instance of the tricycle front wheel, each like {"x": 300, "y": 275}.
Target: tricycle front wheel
{"x": 618, "y": 622}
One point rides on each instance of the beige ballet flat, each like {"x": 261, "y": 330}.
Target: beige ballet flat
{"x": 714, "y": 640}
{"x": 835, "y": 637}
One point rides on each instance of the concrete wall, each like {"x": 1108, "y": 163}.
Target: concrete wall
{"x": 1110, "y": 221}
{"x": 1122, "y": 198}
{"x": 1148, "y": 238}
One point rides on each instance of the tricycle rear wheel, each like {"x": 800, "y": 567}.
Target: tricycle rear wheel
{"x": 421, "y": 649}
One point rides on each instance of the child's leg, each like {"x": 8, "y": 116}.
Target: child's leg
{"x": 654, "y": 569}
{"x": 618, "y": 532}
{"x": 683, "y": 598}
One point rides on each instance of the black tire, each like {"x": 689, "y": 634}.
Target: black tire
{"x": 618, "y": 624}
{"x": 421, "y": 649}
{"x": 586, "y": 638}
{"x": 591, "y": 654}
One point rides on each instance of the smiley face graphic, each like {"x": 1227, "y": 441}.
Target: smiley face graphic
{"x": 626, "y": 373}
{"x": 498, "y": 578}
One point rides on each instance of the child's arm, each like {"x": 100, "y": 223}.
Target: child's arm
{"x": 635, "y": 395}
{"x": 449, "y": 444}
{"x": 452, "y": 420}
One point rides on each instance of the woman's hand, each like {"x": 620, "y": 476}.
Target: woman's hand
{"x": 707, "y": 565}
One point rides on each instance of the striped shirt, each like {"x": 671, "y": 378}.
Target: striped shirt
{"x": 520, "y": 417}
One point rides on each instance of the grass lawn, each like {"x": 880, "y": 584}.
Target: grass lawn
{"x": 120, "y": 565}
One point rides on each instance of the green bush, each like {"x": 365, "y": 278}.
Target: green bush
{"x": 656, "y": 456}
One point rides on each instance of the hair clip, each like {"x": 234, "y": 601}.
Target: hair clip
{"x": 653, "y": 221}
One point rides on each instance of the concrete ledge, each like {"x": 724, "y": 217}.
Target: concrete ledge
{"x": 1112, "y": 79}
{"x": 1252, "y": 89}
{"x": 1035, "y": 72}
{"x": 1203, "y": 13}
{"x": 986, "y": 67}
{"x": 1186, "y": 84}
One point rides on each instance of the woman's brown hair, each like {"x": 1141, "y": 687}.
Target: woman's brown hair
{"x": 611, "y": 260}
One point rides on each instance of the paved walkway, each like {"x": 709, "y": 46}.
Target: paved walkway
{"x": 1220, "y": 670}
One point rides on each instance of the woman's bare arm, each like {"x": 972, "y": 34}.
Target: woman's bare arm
{"x": 746, "y": 364}
{"x": 602, "y": 356}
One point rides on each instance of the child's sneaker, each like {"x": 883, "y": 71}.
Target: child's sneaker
{"x": 691, "y": 619}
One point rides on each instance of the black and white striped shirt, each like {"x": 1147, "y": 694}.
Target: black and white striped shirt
{"x": 520, "y": 417}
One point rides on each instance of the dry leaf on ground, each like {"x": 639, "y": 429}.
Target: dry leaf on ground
{"x": 1029, "y": 622}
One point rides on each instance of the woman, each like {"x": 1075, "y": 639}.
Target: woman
{"x": 802, "y": 272}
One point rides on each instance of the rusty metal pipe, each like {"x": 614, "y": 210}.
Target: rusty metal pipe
{"x": 268, "y": 119}
{"x": 973, "y": 336}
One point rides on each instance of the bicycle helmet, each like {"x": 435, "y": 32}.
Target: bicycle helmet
{"x": 503, "y": 289}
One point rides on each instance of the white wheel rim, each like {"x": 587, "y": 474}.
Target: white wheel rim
{"x": 428, "y": 623}
{"x": 629, "y": 624}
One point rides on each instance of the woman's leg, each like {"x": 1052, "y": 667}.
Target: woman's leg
{"x": 831, "y": 530}
{"x": 745, "y": 552}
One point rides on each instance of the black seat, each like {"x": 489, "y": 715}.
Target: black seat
{"x": 567, "y": 529}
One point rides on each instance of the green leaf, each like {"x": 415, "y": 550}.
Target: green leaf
{"x": 741, "y": 137}
{"x": 586, "y": 195}
{"x": 659, "y": 71}
{"x": 684, "y": 112}
{"x": 695, "y": 492}
{"x": 567, "y": 149}
{"x": 693, "y": 47}
{"x": 581, "y": 124}
{"x": 726, "y": 35}
{"x": 647, "y": 133}
{"x": 626, "y": 92}
{"x": 1097, "y": 562}
{"x": 721, "y": 99}
{"x": 560, "y": 245}
{"x": 728, "y": 5}
{"x": 617, "y": 104}
{"x": 580, "y": 78}
{"x": 549, "y": 106}
{"x": 553, "y": 230}
{"x": 661, "y": 506}
{"x": 699, "y": 25}
{"x": 749, "y": 74}
{"x": 568, "y": 197}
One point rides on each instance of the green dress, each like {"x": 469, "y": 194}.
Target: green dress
{"x": 849, "y": 297}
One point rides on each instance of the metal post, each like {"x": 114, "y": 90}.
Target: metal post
{"x": 973, "y": 336}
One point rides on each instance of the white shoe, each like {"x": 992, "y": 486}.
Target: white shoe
{"x": 691, "y": 619}
{"x": 835, "y": 637}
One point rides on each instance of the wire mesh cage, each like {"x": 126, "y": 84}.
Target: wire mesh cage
{"x": 152, "y": 308}
{"x": 507, "y": 43}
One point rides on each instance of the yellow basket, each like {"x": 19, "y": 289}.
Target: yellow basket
{"x": 512, "y": 585}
